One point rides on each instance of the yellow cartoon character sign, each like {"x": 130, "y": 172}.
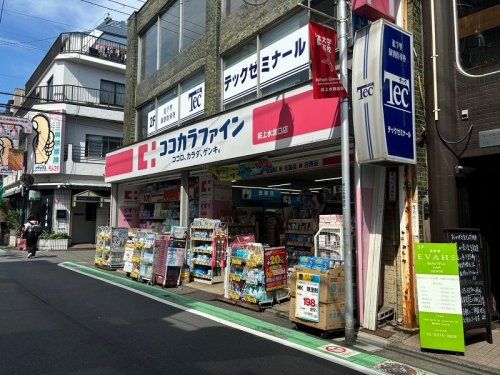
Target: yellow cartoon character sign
{"x": 43, "y": 143}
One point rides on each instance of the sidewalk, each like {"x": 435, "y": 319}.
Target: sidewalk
{"x": 480, "y": 357}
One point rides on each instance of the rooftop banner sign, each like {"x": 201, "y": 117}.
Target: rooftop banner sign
{"x": 288, "y": 120}
{"x": 383, "y": 95}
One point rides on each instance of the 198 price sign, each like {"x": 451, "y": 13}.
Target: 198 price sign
{"x": 307, "y": 302}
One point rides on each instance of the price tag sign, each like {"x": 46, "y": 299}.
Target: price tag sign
{"x": 307, "y": 300}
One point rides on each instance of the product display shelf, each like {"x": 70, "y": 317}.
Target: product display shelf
{"x": 146, "y": 259}
{"x": 160, "y": 259}
{"x": 175, "y": 256}
{"x": 205, "y": 257}
{"x": 103, "y": 245}
{"x": 299, "y": 239}
{"x": 114, "y": 258}
{"x": 239, "y": 229}
{"x": 134, "y": 251}
{"x": 247, "y": 276}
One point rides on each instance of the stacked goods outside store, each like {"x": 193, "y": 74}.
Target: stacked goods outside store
{"x": 318, "y": 294}
{"x": 175, "y": 257}
{"x": 102, "y": 244}
{"x": 207, "y": 251}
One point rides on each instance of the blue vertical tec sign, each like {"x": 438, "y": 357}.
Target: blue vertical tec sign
{"x": 383, "y": 95}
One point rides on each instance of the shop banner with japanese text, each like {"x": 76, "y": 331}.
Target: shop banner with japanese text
{"x": 295, "y": 119}
{"x": 275, "y": 268}
{"x": 307, "y": 300}
{"x": 326, "y": 82}
{"x": 439, "y": 300}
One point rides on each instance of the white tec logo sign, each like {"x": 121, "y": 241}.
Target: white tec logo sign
{"x": 399, "y": 92}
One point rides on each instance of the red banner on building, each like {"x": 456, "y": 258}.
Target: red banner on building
{"x": 326, "y": 82}
{"x": 275, "y": 268}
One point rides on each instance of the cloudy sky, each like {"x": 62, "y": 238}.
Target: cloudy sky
{"x": 29, "y": 27}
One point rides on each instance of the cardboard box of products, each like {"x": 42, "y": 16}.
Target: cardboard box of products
{"x": 331, "y": 316}
{"x": 331, "y": 288}
{"x": 335, "y": 272}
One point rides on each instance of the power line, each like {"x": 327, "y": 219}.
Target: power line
{"x": 105, "y": 7}
{"x": 122, "y": 4}
{"x": 1, "y": 11}
{"x": 21, "y": 45}
{"x": 25, "y": 36}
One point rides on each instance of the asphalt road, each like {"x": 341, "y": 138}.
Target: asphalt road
{"x": 54, "y": 321}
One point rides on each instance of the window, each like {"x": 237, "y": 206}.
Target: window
{"x": 183, "y": 23}
{"x": 284, "y": 63}
{"x": 146, "y": 119}
{"x": 149, "y": 52}
{"x": 112, "y": 93}
{"x": 194, "y": 19}
{"x": 192, "y": 97}
{"x": 90, "y": 211}
{"x": 232, "y": 6}
{"x": 50, "y": 88}
{"x": 169, "y": 33}
{"x": 168, "y": 111}
{"x": 479, "y": 34}
{"x": 98, "y": 146}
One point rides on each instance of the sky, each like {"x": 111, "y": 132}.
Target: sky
{"x": 28, "y": 28}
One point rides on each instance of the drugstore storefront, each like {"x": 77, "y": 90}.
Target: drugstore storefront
{"x": 269, "y": 169}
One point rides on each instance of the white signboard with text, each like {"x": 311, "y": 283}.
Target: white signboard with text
{"x": 307, "y": 300}
{"x": 278, "y": 61}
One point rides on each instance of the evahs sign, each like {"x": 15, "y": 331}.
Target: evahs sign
{"x": 383, "y": 96}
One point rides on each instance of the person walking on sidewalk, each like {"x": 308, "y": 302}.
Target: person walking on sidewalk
{"x": 31, "y": 231}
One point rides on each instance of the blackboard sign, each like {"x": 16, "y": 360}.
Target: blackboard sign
{"x": 474, "y": 288}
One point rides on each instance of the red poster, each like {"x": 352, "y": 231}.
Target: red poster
{"x": 326, "y": 83}
{"x": 275, "y": 267}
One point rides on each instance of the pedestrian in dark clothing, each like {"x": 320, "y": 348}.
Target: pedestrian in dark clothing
{"x": 31, "y": 231}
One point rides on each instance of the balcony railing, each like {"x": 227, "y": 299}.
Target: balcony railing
{"x": 79, "y": 43}
{"x": 77, "y": 95}
{"x": 84, "y": 155}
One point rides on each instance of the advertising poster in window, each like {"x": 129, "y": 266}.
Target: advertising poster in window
{"x": 47, "y": 143}
{"x": 326, "y": 82}
{"x": 439, "y": 299}
{"x": 307, "y": 300}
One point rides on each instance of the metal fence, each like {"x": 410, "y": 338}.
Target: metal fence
{"x": 78, "y": 95}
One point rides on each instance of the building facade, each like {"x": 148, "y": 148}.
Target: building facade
{"x": 463, "y": 78}
{"x": 220, "y": 122}
{"x": 75, "y": 100}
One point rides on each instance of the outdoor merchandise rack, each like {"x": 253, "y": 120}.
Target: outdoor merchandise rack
{"x": 206, "y": 254}
{"x": 102, "y": 244}
{"x": 175, "y": 256}
{"x": 160, "y": 258}
{"x": 113, "y": 259}
{"x": 146, "y": 258}
{"x": 256, "y": 277}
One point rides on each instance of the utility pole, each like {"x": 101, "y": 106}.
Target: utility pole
{"x": 350, "y": 336}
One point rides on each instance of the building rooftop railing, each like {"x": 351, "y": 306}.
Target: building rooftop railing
{"x": 79, "y": 43}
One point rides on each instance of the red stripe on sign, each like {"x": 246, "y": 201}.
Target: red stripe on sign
{"x": 118, "y": 164}
{"x": 335, "y": 160}
{"x": 294, "y": 116}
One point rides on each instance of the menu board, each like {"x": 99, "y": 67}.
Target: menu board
{"x": 473, "y": 285}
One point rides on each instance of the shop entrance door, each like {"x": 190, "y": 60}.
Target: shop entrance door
{"x": 482, "y": 208}
{"x": 83, "y": 219}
